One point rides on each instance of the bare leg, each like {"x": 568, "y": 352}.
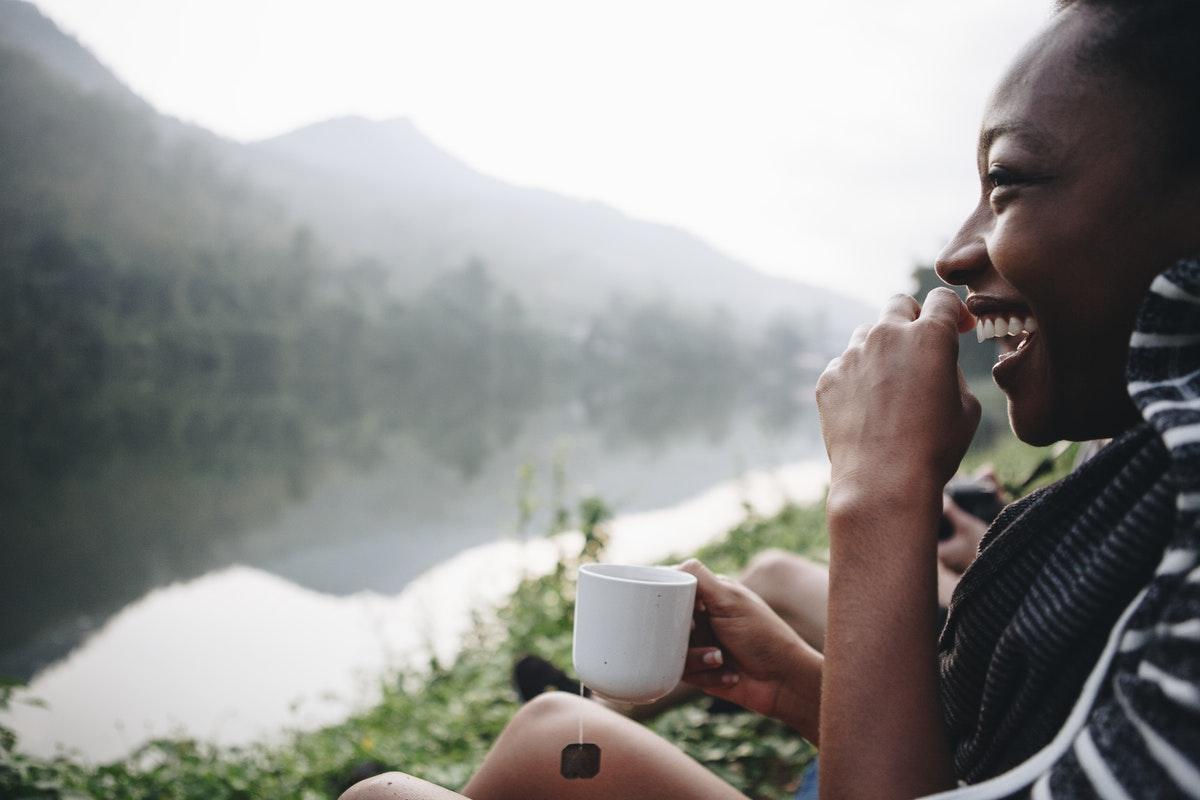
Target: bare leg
{"x": 397, "y": 786}
{"x": 796, "y": 588}
{"x": 635, "y": 763}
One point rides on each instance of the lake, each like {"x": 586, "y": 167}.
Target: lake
{"x": 235, "y": 567}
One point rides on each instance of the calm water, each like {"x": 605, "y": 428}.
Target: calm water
{"x": 200, "y": 572}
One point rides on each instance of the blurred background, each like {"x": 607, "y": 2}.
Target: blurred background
{"x": 299, "y": 301}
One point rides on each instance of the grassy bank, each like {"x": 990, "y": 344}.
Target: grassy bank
{"x": 437, "y": 724}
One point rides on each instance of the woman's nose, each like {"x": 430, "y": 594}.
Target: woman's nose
{"x": 963, "y": 260}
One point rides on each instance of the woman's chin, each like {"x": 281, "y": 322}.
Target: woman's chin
{"x": 1032, "y": 425}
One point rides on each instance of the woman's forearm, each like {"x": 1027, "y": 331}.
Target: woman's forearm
{"x": 799, "y": 702}
{"x": 881, "y": 728}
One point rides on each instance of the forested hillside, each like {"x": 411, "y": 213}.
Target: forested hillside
{"x": 182, "y": 352}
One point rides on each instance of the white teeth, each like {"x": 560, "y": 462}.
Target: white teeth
{"x": 999, "y": 327}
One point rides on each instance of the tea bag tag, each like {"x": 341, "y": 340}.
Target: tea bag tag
{"x": 581, "y": 760}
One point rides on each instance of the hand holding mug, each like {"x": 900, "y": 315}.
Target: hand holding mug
{"x": 744, "y": 652}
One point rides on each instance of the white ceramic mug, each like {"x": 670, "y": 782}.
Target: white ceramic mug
{"x": 631, "y": 629}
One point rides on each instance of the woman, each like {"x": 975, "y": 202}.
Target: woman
{"x": 1090, "y": 193}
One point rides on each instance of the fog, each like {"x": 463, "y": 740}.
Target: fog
{"x": 829, "y": 142}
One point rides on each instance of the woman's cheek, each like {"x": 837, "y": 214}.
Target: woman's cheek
{"x": 1029, "y": 254}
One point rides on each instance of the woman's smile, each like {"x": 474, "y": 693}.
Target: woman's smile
{"x": 1013, "y": 325}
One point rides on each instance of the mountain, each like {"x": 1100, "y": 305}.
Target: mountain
{"x": 194, "y": 331}
{"x": 382, "y": 193}
{"x": 397, "y": 196}
{"x": 23, "y": 26}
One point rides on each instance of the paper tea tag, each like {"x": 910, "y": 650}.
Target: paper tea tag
{"x": 580, "y": 761}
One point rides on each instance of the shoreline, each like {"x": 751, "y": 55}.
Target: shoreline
{"x": 329, "y": 651}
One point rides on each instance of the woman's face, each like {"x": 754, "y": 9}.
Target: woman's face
{"x": 1073, "y": 222}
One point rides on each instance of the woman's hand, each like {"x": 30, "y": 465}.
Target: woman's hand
{"x": 742, "y": 651}
{"x": 895, "y": 409}
{"x": 966, "y": 532}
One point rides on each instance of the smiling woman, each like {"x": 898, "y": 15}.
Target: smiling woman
{"x": 1070, "y": 662}
{"x": 1088, "y": 210}
{"x": 1086, "y": 194}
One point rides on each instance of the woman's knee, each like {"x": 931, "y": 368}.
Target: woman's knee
{"x": 544, "y": 716}
{"x": 772, "y": 570}
{"x": 385, "y": 786}
{"x": 550, "y": 710}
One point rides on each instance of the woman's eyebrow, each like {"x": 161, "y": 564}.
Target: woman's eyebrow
{"x": 1030, "y": 135}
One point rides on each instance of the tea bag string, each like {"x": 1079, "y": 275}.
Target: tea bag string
{"x": 581, "y": 713}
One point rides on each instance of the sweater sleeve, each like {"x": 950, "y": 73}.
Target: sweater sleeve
{"x": 1142, "y": 736}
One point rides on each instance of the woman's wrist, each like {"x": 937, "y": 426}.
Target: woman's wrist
{"x": 865, "y": 510}
{"x": 798, "y": 704}
{"x": 891, "y": 483}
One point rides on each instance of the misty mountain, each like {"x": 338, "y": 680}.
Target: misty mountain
{"x": 382, "y": 194}
{"x": 23, "y": 26}
{"x": 399, "y": 197}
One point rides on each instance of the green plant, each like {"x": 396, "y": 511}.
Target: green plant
{"x": 438, "y": 723}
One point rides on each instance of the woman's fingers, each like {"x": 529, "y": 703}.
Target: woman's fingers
{"x": 702, "y": 633}
{"x": 711, "y": 679}
{"x": 712, "y": 592}
{"x": 701, "y": 659}
{"x": 859, "y": 336}
{"x": 960, "y": 549}
{"x": 900, "y": 308}
{"x": 970, "y": 404}
{"x": 942, "y": 305}
{"x": 945, "y": 307}
{"x": 957, "y": 514}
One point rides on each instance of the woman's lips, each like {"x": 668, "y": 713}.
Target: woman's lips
{"x": 1007, "y": 320}
{"x": 1005, "y": 370}
{"x": 1012, "y": 324}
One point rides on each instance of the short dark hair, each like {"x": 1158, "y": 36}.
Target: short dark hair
{"x": 1155, "y": 44}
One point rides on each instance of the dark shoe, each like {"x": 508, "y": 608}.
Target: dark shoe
{"x": 722, "y": 706}
{"x": 533, "y": 675}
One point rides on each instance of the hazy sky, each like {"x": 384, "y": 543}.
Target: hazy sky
{"x": 832, "y": 142}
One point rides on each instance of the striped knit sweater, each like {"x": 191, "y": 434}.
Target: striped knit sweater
{"x": 1055, "y": 571}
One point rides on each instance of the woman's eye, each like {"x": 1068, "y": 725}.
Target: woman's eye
{"x": 998, "y": 177}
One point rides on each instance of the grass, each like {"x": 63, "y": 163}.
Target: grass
{"x": 438, "y": 723}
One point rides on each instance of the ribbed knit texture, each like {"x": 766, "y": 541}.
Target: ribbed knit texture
{"x": 1057, "y": 568}
{"x": 1030, "y": 618}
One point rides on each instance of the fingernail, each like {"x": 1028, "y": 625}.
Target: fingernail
{"x": 713, "y": 657}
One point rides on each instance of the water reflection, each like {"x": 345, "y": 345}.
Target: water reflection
{"x": 241, "y": 654}
{"x": 121, "y": 493}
